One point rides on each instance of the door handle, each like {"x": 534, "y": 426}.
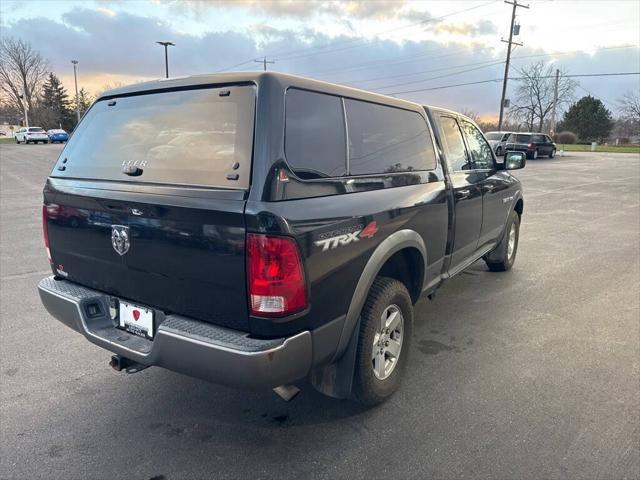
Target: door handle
{"x": 461, "y": 194}
{"x": 489, "y": 186}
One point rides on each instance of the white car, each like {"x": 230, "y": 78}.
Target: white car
{"x": 497, "y": 140}
{"x": 31, "y": 135}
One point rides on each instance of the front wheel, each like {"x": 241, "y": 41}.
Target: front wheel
{"x": 17, "y": 141}
{"x": 553, "y": 153}
{"x": 503, "y": 256}
{"x": 386, "y": 325}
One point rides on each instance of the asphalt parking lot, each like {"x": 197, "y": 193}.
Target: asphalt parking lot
{"x": 534, "y": 373}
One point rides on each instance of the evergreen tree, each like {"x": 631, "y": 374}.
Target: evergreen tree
{"x": 589, "y": 119}
{"x": 85, "y": 100}
{"x": 55, "y": 105}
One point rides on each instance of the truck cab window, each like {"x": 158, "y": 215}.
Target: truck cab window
{"x": 455, "y": 150}
{"x": 479, "y": 149}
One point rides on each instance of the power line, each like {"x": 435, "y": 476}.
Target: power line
{"x": 403, "y": 75}
{"x": 442, "y": 87}
{"x": 359, "y": 40}
{"x": 386, "y": 62}
{"x": 440, "y": 76}
{"x": 285, "y": 54}
{"x": 412, "y": 57}
{"x": 491, "y": 62}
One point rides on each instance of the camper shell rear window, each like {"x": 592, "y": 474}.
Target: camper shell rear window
{"x": 198, "y": 137}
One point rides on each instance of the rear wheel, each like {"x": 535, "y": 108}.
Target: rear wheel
{"x": 17, "y": 141}
{"x": 386, "y": 325}
{"x": 534, "y": 155}
{"x": 503, "y": 256}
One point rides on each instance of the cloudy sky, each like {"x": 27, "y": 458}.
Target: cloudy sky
{"x": 406, "y": 48}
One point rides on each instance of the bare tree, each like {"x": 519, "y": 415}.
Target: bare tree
{"x": 472, "y": 114}
{"x": 630, "y": 105}
{"x": 110, "y": 86}
{"x": 534, "y": 95}
{"x": 22, "y": 73}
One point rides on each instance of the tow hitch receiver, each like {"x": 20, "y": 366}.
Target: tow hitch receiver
{"x": 119, "y": 363}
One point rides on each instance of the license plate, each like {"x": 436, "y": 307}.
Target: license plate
{"x": 136, "y": 319}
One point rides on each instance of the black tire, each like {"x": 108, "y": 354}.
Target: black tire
{"x": 499, "y": 259}
{"x": 17, "y": 141}
{"x": 46, "y": 142}
{"x": 385, "y": 293}
{"x": 553, "y": 153}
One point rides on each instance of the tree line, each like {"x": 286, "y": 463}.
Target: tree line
{"x": 27, "y": 83}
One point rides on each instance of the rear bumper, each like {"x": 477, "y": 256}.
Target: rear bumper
{"x": 182, "y": 344}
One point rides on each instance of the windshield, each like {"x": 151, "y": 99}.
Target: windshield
{"x": 190, "y": 137}
{"x": 493, "y": 136}
{"x": 36, "y": 130}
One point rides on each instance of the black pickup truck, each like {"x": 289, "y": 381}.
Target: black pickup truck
{"x": 256, "y": 229}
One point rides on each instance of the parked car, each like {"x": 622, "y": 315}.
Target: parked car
{"x": 293, "y": 243}
{"x": 57, "y": 135}
{"x": 534, "y": 145}
{"x": 497, "y": 140}
{"x": 31, "y": 135}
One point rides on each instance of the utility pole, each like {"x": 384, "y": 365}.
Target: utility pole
{"x": 75, "y": 78}
{"x": 264, "y": 62}
{"x": 166, "y": 56}
{"x": 506, "y": 67}
{"x": 552, "y": 130}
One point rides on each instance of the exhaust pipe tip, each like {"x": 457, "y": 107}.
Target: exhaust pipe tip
{"x": 287, "y": 392}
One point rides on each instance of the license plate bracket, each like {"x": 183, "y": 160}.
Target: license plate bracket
{"x": 136, "y": 319}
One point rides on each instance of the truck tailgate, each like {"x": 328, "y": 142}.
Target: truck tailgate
{"x": 185, "y": 255}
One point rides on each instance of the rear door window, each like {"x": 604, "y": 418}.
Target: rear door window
{"x": 315, "y": 143}
{"x": 385, "y": 139}
{"x": 189, "y": 137}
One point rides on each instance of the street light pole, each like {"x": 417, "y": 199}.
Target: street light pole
{"x": 166, "y": 56}
{"x": 75, "y": 78}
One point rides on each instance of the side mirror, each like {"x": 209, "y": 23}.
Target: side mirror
{"x": 514, "y": 160}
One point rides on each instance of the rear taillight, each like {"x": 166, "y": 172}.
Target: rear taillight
{"x": 530, "y": 145}
{"x": 276, "y": 281}
{"x": 45, "y": 230}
